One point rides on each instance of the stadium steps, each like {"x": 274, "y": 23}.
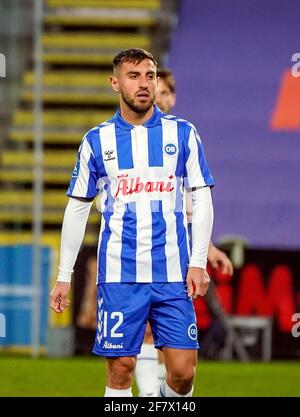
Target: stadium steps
{"x": 52, "y": 159}
{"x": 70, "y": 79}
{"x": 113, "y": 4}
{"x": 87, "y": 40}
{"x": 25, "y": 198}
{"x": 72, "y": 87}
{"x": 79, "y": 41}
{"x": 59, "y": 126}
{"x": 110, "y": 21}
{"x": 49, "y": 237}
{"x": 75, "y": 97}
{"x": 134, "y": 13}
{"x": 16, "y": 207}
{"x": 88, "y": 48}
{"x": 139, "y": 15}
{"x": 20, "y": 175}
{"x": 49, "y": 217}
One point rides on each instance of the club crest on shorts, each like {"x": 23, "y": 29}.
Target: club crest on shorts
{"x": 192, "y": 332}
{"x": 170, "y": 149}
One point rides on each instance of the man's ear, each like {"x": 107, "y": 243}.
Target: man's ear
{"x": 173, "y": 100}
{"x": 114, "y": 83}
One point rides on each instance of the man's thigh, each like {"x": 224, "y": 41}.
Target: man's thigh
{"x": 122, "y": 317}
{"x": 172, "y": 317}
{"x": 148, "y": 338}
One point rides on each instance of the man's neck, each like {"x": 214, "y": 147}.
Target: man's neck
{"x": 134, "y": 118}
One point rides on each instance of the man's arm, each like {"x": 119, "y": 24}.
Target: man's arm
{"x": 217, "y": 258}
{"x": 197, "y": 176}
{"x": 197, "y": 277}
{"x": 73, "y": 229}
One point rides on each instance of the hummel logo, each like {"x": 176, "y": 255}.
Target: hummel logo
{"x": 109, "y": 156}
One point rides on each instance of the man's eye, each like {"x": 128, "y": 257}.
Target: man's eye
{"x": 151, "y": 77}
{"x": 133, "y": 76}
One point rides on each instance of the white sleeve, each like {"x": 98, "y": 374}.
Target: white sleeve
{"x": 73, "y": 229}
{"x": 202, "y": 222}
{"x": 188, "y": 206}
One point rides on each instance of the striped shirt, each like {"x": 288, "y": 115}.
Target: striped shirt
{"x": 140, "y": 173}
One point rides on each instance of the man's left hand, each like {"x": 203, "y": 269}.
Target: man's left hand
{"x": 197, "y": 282}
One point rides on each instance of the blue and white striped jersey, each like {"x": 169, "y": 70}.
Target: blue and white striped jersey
{"x": 139, "y": 173}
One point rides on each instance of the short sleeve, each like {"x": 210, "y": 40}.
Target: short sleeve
{"x": 196, "y": 171}
{"x": 84, "y": 178}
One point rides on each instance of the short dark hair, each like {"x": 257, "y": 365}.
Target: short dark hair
{"x": 135, "y": 55}
{"x": 168, "y": 77}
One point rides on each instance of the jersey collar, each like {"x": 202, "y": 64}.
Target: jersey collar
{"x": 153, "y": 121}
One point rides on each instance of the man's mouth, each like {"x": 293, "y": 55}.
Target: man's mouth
{"x": 143, "y": 94}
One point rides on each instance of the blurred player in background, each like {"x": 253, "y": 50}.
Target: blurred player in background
{"x": 145, "y": 269}
{"x": 150, "y": 368}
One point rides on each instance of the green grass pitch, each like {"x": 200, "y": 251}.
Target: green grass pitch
{"x": 82, "y": 377}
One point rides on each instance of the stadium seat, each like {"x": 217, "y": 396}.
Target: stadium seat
{"x": 62, "y": 159}
{"x": 88, "y": 48}
{"x": 60, "y": 127}
{"x": 70, "y": 79}
{"x": 19, "y": 175}
{"x": 61, "y": 118}
{"x": 16, "y": 207}
{"x": 66, "y": 97}
{"x": 67, "y": 19}
{"x": 89, "y": 41}
{"x": 248, "y": 329}
{"x": 71, "y": 87}
{"x": 120, "y": 4}
{"x": 49, "y": 217}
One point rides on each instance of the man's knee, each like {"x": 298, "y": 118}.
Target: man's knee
{"x": 120, "y": 371}
{"x": 181, "y": 375}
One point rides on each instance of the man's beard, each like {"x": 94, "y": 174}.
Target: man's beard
{"x": 142, "y": 108}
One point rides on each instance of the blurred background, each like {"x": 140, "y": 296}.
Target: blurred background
{"x": 237, "y": 70}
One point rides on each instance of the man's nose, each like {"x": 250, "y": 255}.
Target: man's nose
{"x": 143, "y": 82}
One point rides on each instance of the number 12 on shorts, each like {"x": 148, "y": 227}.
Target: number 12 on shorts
{"x": 115, "y": 315}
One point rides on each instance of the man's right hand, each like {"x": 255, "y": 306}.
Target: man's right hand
{"x": 58, "y": 297}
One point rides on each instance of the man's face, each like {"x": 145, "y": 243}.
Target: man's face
{"x": 137, "y": 84}
{"x": 165, "y": 99}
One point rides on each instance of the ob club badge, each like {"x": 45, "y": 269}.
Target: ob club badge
{"x": 192, "y": 332}
{"x": 170, "y": 149}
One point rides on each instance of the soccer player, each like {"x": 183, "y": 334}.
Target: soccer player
{"x": 150, "y": 368}
{"x": 140, "y": 161}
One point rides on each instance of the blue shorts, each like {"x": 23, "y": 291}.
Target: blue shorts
{"x": 123, "y": 312}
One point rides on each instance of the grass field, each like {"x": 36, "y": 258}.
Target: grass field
{"x": 82, "y": 377}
